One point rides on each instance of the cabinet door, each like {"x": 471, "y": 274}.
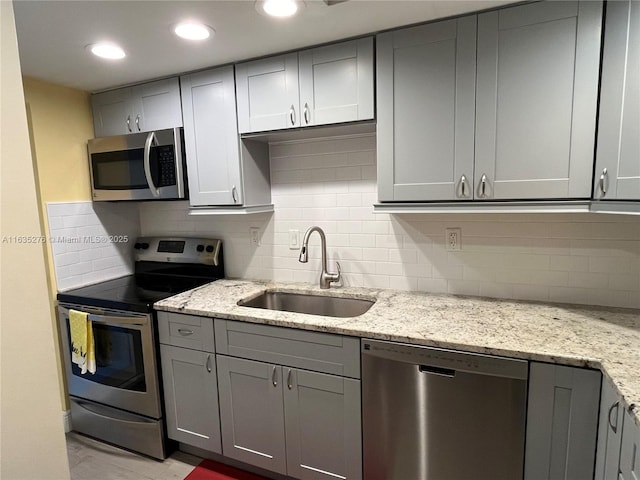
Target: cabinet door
{"x": 251, "y": 412}
{"x": 609, "y": 434}
{"x": 156, "y": 105}
{"x": 630, "y": 453}
{"x": 426, "y": 103}
{"x": 562, "y": 422}
{"x": 323, "y": 428}
{"x": 267, "y": 92}
{"x": 538, "y": 67}
{"x": 336, "y": 83}
{"x": 191, "y": 397}
{"x": 211, "y": 138}
{"x": 112, "y": 113}
{"x": 619, "y": 124}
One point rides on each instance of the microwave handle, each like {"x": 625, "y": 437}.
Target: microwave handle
{"x": 147, "y": 167}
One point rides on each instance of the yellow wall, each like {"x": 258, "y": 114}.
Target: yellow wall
{"x": 32, "y": 442}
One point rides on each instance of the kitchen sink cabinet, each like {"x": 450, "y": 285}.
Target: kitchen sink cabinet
{"x": 532, "y": 81}
{"x": 562, "y": 422}
{"x": 189, "y": 379}
{"x": 222, "y": 169}
{"x": 630, "y": 449}
{"x": 290, "y": 420}
{"x": 141, "y": 108}
{"x": 320, "y": 86}
{"x": 617, "y": 173}
{"x": 609, "y": 433}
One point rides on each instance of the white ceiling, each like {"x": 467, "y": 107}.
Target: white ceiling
{"x": 52, "y": 35}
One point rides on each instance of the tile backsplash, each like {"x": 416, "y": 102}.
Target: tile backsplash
{"x": 577, "y": 258}
{"x": 91, "y": 242}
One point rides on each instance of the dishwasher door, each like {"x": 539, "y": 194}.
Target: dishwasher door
{"x": 436, "y": 414}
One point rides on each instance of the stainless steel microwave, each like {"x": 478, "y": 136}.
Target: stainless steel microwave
{"x": 140, "y": 166}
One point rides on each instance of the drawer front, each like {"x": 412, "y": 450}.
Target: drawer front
{"x": 186, "y": 331}
{"x": 320, "y": 352}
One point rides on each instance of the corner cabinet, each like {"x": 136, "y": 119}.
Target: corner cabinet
{"x": 290, "y": 400}
{"x": 320, "y": 86}
{"x": 498, "y": 106}
{"x": 562, "y": 422}
{"x": 141, "y": 108}
{"x": 222, "y": 169}
{"x": 187, "y": 357}
{"x": 617, "y": 174}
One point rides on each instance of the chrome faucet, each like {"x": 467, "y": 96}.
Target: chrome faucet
{"x": 326, "y": 278}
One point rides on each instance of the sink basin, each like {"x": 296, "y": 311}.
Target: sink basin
{"x": 309, "y": 304}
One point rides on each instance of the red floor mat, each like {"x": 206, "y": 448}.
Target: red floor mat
{"x": 210, "y": 470}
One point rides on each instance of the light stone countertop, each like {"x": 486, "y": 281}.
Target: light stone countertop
{"x": 596, "y": 337}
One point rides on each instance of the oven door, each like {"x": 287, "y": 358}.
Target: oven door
{"x": 141, "y": 166}
{"x": 126, "y": 374}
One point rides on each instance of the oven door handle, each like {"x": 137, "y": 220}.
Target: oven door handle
{"x": 147, "y": 163}
{"x": 113, "y": 320}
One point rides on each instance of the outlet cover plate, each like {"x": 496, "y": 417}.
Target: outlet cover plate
{"x": 294, "y": 239}
{"x": 453, "y": 239}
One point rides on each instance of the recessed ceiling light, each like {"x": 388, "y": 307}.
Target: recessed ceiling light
{"x": 193, "y": 31}
{"x": 109, "y": 51}
{"x": 279, "y": 8}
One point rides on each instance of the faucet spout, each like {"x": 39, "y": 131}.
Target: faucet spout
{"x": 326, "y": 277}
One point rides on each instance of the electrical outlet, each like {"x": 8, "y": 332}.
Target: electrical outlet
{"x": 254, "y": 236}
{"x": 453, "y": 239}
{"x": 294, "y": 239}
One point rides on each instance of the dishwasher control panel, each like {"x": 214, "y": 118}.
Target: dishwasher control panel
{"x": 445, "y": 361}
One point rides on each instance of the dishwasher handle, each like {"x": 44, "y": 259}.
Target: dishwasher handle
{"x": 443, "y": 372}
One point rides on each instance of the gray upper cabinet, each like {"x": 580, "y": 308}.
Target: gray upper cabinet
{"x": 319, "y": 86}
{"x": 609, "y": 433}
{"x": 617, "y": 175}
{"x": 497, "y": 106}
{"x": 537, "y": 85}
{"x": 141, "y": 108}
{"x": 562, "y": 422}
{"x": 222, "y": 169}
{"x": 426, "y": 103}
{"x": 630, "y": 450}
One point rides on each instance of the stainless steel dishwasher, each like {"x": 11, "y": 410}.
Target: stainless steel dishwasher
{"x": 436, "y": 414}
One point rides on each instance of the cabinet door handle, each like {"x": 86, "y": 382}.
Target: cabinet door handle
{"x": 129, "y": 123}
{"x": 289, "y": 385}
{"x": 306, "y": 113}
{"x": 483, "y": 186}
{"x": 208, "y": 364}
{"x": 185, "y": 332}
{"x": 292, "y": 115}
{"x": 614, "y": 427}
{"x": 273, "y": 377}
{"x": 138, "y": 121}
{"x": 463, "y": 186}
{"x": 603, "y": 181}
{"x": 234, "y": 194}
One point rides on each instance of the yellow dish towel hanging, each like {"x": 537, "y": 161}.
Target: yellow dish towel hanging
{"x": 83, "y": 351}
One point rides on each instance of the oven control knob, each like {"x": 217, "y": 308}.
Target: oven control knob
{"x": 145, "y": 246}
{"x": 209, "y": 248}
{"x": 200, "y": 248}
{"x": 137, "y": 246}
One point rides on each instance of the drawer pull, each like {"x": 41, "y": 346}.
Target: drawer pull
{"x": 273, "y": 377}
{"x": 289, "y": 385}
{"x": 185, "y": 332}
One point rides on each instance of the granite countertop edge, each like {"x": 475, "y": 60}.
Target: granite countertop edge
{"x": 603, "y": 338}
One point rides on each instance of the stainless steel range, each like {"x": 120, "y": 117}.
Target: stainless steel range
{"x": 121, "y": 402}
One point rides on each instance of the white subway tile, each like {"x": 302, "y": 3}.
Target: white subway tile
{"x": 432, "y": 285}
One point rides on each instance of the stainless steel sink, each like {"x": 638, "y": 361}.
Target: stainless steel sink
{"x": 309, "y": 304}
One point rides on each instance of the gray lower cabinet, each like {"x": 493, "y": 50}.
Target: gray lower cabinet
{"x": 618, "y": 154}
{"x": 562, "y": 422}
{"x": 189, "y": 380}
{"x": 609, "y": 433}
{"x": 630, "y": 451}
{"x": 277, "y": 413}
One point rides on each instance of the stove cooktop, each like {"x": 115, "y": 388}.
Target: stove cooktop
{"x": 160, "y": 272}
